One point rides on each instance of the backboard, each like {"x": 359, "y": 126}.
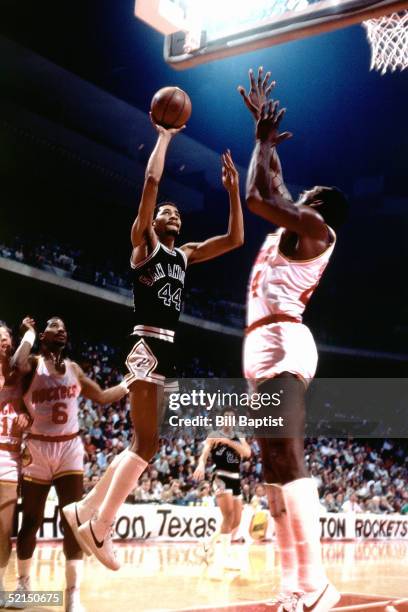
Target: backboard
{"x": 212, "y": 29}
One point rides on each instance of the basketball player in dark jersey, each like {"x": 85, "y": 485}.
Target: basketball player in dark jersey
{"x": 158, "y": 284}
{"x": 226, "y": 453}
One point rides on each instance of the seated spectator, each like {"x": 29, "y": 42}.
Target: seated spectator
{"x": 143, "y": 492}
{"x": 172, "y": 494}
{"x": 351, "y": 504}
{"x": 259, "y": 500}
{"x": 373, "y": 505}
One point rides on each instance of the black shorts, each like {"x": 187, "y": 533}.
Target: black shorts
{"x": 151, "y": 359}
{"x": 226, "y": 484}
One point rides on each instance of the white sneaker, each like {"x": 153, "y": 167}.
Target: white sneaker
{"x": 320, "y": 601}
{"x": 23, "y": 586}
{"x": 72, "y": 601}
{"x": 71, "y": 513}
{"x": 104, "y": 550}
{"x": 288, "y": 602}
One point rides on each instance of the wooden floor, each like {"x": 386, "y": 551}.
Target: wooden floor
{"x": 166, "y": 577}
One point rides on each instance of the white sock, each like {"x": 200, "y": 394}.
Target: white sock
{"x": 303, "y": 508}
{"x": 284, "y": 538}
{"x": 222, "y": 547}
{"x": 124, "y": 480}
{"x": 24, "y": 567}
{"x": 73, "y": 573}
{"x": 96, "y": 495}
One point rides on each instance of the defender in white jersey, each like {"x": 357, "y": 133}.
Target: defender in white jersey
{"x": 279, "y": 346}
{"x": 54, "y": 453}
{"x": 13, "y": 421}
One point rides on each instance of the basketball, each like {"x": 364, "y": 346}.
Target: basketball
{"x": 171, "y": 107}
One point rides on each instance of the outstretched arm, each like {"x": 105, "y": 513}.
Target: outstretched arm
{"x": 142, "y": 230}
{"x": 91, "y": 390}
{"x": 218, "y": 245}
{"x": 254, "y": 100}
{"x": 264, "y": 194}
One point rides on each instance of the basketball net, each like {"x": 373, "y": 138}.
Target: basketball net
{"x": 388, "y": 38}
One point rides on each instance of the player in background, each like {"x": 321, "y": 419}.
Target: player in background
{"x": 158, "y": 269}
{"x": 225, "y": 453}
{"x": 278, "y": 345}
{"x": 54, "y": 453}
{"x": 13, "y": 421}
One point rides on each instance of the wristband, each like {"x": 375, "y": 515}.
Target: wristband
{"x": 29, "y": 337}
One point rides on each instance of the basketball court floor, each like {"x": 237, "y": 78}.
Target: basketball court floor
{"x": 164, "y": 577}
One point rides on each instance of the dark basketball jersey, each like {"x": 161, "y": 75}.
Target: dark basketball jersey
{"x": 225, "y": 458}
{"x": 158, "y": 289}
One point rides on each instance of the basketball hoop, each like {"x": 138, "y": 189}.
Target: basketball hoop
{"x": 388, "y": 38}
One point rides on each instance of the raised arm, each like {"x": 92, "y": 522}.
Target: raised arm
{"x": 266, "y": 195}
{"x": 218, "y": 245}
{"x": 91, "y": 390}
{"x": 22, "y": 361}
{"x": 142, "y": 230}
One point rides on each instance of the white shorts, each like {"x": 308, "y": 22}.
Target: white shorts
{"x": 43, "y": 462}
{"x": 10, "y": 465}
{"x": 272, "y": 349}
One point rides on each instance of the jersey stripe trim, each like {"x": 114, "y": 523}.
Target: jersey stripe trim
{"x": 331, "y": 246}
{"x": 146, "y": 259}
{"x": 43, "y": 438}
{"x": 154, "y": 332}
{"x": 234, "y": 475}
{"x": 10, "y": 447}
{"x": 169, "y": 251}
{"x": 273, "y": 318}
{"x": 182, "y": 253}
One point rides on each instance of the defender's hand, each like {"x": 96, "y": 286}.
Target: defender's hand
{"x": 230, "y": 176}
{"x": 167, "y": 132}
{"x": 258, "y": 93}
{"x": 267, "y": 127}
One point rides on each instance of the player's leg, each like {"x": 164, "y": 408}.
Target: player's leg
{"x": 294, "y": 501}
{"x": 237, "y": 513}
{"x": 145, "y": 398}
{"x": 69, "y": 489}
{"x": 34, "y": 496}
{"x": 78, "y": 513}
{"x": 225, "y": 502}
{"x": 8, "y": 501}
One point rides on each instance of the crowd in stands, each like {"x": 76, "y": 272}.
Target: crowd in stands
{"x": 352, "y": 475}
{"x": 67, "y": 261}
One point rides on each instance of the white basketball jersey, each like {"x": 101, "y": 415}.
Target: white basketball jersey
{"x": 52, "y": 401}
{"x": 9, "y": 400}
{"x": 279, "y": 285}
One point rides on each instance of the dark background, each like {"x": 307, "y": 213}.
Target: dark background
{"x": 71, "y": 168}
